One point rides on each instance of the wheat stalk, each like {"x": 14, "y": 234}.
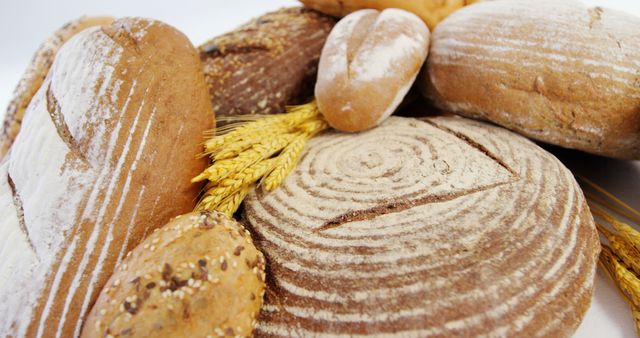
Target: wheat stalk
{"x": 621, "y": 257}
{"x": 262, "y": 149}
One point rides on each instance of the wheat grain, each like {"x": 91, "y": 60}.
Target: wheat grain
{"x": 627, "y": 280}
{"x": 625, "y": 251}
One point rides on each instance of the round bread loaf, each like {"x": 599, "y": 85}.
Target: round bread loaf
{"x": 442, "y": 227}
{"x": 367, "y": 66}
{"x": 35, "y": 74}
{"x": 198, "y": 276}
{"x": 430, "y": 11}
{"x": 555, "y": 71}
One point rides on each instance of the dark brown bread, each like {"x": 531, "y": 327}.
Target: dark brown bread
{"x": 267, "y": 63}
{"x": 445, "y": 227}
{"x": 35, "y": 74}
{"x": 104, "y": 156}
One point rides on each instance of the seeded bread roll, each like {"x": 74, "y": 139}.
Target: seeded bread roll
{"x": 267, "y": 63}
{"x": 105, "y": 155}
{"x": 35, "y": 74}
{"x": 198, "y": 276}
{"x": 556, "y": 71}
{"x": 368, "y": 65}
{"x": 445, "y": 227}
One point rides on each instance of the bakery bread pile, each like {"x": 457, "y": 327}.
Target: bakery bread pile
{"x": 381, "y": 226}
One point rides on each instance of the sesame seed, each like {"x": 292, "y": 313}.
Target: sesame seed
{"x": 219, "y": 332}
{"x": 190, "y": 282}
{"x": 228, "y": 255}
{"x": 234, "y": 264}
{"x": 146, "y": 276}
{"x": 188, "y": 290}
{"x": 155, "y": 241}
{"x": 215, "y": 281}
{"x": 98, "y": 325}
{"x": 103, "y": 312}
{"x": 221, "y": 259}
{"x": 184, "y": 265}
{"x": 146, "y": 246}
{"x": 192, "y": 266}
{"x": 170, "y": 307}
{"x": 116, "y": 283}
{"x": 153, "y": 248}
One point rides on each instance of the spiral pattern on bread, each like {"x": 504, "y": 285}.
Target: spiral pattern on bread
{"x": 435, "y": 227}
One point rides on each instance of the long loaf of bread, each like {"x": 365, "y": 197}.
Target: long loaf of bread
{"x": 104, "y": 156}
{"x": 35, "y": 74}
{"x": 444, "y": 227}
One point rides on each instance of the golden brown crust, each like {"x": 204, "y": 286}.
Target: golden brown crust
{"x": 265, "y": 64}
{"x": 368, "y": 65}
{"x": 430, "y": 11}
{"x": 577, "y": 88}
{"x": 35, "y": 74}
{"x": 105, "y": 156}
{"x": 199, "y": 275}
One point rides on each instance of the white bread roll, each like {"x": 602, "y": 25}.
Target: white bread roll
{"x": 104, "y": 156}
{"x": 367, "y": 66}
{"x": 555, "y": 71}
{"x": 445, "y": 227}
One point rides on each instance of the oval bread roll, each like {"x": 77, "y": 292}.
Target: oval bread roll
{"x": 430, "y": 11}
{"x": 35, "y": 74}
{"x": 199, "y": 275}
{"x": 555, "y": 71}
{"x": 445, "y": 227}
{"x": 105, "y": 155}
{"x": 368, "y": 65}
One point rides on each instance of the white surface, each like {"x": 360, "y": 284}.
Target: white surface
{"x": 25, "y": 24}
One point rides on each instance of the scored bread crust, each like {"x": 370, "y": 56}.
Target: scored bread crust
{"x": 105, "y": 155}
{"x": 367, "y": 66}
{"x": 267, "y": 63}
{"x": 35, "y": 74}
{"x": 445, "y": 227}
{"x": 556, "y": 71}
{"x": 199, "y": 275}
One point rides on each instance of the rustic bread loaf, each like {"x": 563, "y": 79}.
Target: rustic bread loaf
{"x": 444, "y": 227}
{"x": 555, "y": 71}
{"x": 430, "y": 11}
{"x": 199, "y": 275}
{"x": 35, "y": 74}
{"x": 368, "y": 65}
{"x": 104, "y": 156}
{"x": 267, "y": 63}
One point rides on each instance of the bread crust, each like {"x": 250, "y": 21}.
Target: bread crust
{"x": 267, "y": 63}
{"x": 576, "y": 87}
{"x": 430, "y": 11}
{"x": 441, "y": 227}
{"x": 36, "y": 72}
{"x": 105, "y": 155}
{"x": 368, "y": 65}
{"x": 199, "y": 275}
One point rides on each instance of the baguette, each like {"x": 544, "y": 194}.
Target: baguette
{"x": 105, "y": 155}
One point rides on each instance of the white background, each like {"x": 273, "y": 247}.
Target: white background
{"x": 25, "y": 24}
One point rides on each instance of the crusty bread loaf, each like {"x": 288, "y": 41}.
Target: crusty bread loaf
{"x": 445, "y": 227}
{"x": 104, "y": 156}
{"x": 267, "y": 63}
{"x": 556, "y": 71}
{"x": 367, "y": 66}
{"x": 430, "y": 11}
{"x": 35, "y": 74}
{"x": 199, "y": 275}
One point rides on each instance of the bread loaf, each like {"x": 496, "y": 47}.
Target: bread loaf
{"x": 430, "y": 11}
{"x": 555, "y": 71}
{"x": 104, "y": 156}
{"x": 444, "y": 227}
{"x": 35, "y": 74}
{"x": 267, "y": 63}
{"x": 368, "y": 65}
{"x": 200, "y": 275}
